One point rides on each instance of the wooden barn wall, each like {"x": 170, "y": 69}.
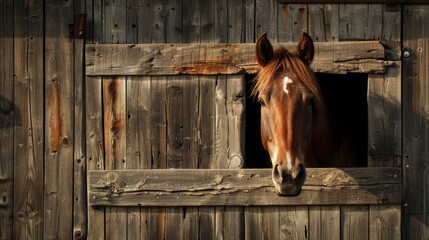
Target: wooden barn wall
{"x": 45, "y": 145}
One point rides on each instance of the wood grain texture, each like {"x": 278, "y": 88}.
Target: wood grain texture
{"x": 28, "y": 132}
{"x": 354, "y": 222}
{"x": 172, "y": 59}
{"x": 384, "y": 117}
{"x": 294, "y": 222}
{"x": 385, "y": 222}
{"x": 323, "y": 22}
{"x": 8, "y": 113}
{"x": 245, "y": 187}
{"x": 79, "y": 159}
{"x": 324, "y": 222}
{"x": 94, "y": 148}
{"x": 80, "y": 222}
{"x": 415, "y": 101}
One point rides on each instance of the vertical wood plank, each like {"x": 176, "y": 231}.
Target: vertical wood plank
{"x": 415, "y": 122}
{"x": 323, "y": 22}
{"x": 251, "y": 223}
{"x": 137, "y": 108}
{"x": 360, "y": 21}
{"x": 391, "y": 25}
{"x": 324, "y": 222}
{"x": 114, "y": 126}
{"x": 175, "y": 122}
{"x": 235, "y": 105}
{"x": 249, "y": 24}
{"x": 138, "y": 141}
{"x": 114, "y": 21}
{"x": 206, "y": 118}
{"x": 353, "y": 21}
{"x": 28, "y": 219}
{"x": 235, "y": 22}
{"x": 262, "y": 223}
{"x": 93, "y": 119}
{"x": 94, "y": 148}
{"x": 8, "y": 111}
{"x": 228, "y": 142}
{"x": 79, "y": 160}
{"x": 158, "y": 122}
{"x": 221, "y": 124}
{"x": 292, "y": 21}
{"x": 114, "y": 25}
{"x": 265, "y": 18}
{"x": 354, "y": 222}
{"x": 220, "y": 22}
{"x": 294, "y": 222}
{"x": 192, "y": 20}
{"x": 145, "y": 21}
{"x": 385, "y": 222}
{"x": 384, "y": 118}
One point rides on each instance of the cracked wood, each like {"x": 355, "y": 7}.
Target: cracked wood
{"x": 241, "y": 187}
{"x": 173, "y": 59}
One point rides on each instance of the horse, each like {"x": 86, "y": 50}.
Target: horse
{"x": 296, "y": 128}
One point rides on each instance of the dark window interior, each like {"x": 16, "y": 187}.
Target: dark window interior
{"x": 345, "y": 94}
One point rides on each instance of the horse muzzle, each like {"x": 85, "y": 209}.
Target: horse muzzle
{"x": 286, "y": 182}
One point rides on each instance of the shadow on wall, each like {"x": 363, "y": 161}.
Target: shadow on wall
{"x": 10, "y": 115}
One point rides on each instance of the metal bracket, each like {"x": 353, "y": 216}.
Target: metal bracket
{"x": 80, "y": 26}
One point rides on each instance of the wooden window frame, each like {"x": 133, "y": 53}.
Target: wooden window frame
{"x": 253, "y": 187}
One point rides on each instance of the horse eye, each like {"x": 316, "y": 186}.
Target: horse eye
{"x": 261, "y": 102}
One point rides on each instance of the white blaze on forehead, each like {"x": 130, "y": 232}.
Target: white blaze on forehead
{"x": 286, "y": 81}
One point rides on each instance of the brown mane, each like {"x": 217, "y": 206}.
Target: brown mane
{"x": 285, "y": 61}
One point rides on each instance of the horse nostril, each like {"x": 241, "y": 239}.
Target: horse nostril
{"x": 296, "y": 173}
{"x": 279, "y": 174}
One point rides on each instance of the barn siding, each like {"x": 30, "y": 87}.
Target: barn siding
{"x": 42, "y": 149}
{"x": 416, "y": 134}
{"x": 8, "y": 114}
{"x": 28, "y": 157}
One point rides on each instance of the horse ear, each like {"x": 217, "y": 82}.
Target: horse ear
{"x": 264, "y": 50}
{"x": 305, "y": 49}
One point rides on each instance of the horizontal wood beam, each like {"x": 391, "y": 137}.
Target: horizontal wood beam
{"x": 241, "y": 187}
{"x": 208, "y": 59}
{"x": 354, "y": 1}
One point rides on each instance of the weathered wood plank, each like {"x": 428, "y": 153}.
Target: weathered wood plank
{"x": 28, "y": 155}
{"x": 265, "y": 16}
{"x": 324, "y": 222}
{"x": 79, "y": 160}
{"x": 294, "y": 222}
{"x": 354, "y": 222}
{"x": 292, "y": 21}
{"x": 235, "y": 108}
{"x": 415, "y": 104}
{"x": 384, "y": 118}
{"x": 385, "y": 223}
{"x": 94, "y": 148}
{"x": 114, "y": 119}
{"x": 172, "y": 59}
{"x": 8, "y": 114}
{"x": 261, "y": 223}
{"x": 323, "y": 22}
{"x": 248, "y": 187}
